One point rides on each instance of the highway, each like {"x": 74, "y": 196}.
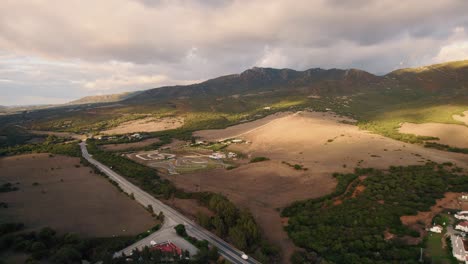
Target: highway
{"x": 229, "y": 252}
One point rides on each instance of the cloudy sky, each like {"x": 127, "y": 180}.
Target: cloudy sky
{"x": 53, "y": 51}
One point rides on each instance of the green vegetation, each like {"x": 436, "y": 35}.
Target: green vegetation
{"x": 15, "y": 135}
{"x": 8, "y": 187}
{"x": 143, "y": 176}
{"x": 318, "y": 226}
{"x": 295, "y": 166}
{"x": 47, "y": 245}
{"x": 52, "y": 144}
{"x": 258, "y": 159}
{"x": 435, "y": 252}
{"x": 445, "y": 147}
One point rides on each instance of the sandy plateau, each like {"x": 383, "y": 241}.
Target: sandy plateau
{"x": 60, "y": 193}
{"x": 148, "y": 124}
{"x": 320, "y": 142}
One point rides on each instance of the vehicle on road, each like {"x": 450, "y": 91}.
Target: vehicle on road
{"x": 244, "y": 256}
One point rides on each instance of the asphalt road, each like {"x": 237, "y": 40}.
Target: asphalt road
{"x": 229, "y": 252}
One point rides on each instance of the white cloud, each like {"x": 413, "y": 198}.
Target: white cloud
{"x": 75, "y": 48}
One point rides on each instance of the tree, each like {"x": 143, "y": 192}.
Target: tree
{"x": 65, "y": 255}
{"x": 180, "y": 230}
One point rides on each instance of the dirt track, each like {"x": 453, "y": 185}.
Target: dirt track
{"x": 319, "y": 142}
{"x": 83, "y": 203}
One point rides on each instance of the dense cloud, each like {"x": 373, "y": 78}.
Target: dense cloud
{"x": 67, "y": 49}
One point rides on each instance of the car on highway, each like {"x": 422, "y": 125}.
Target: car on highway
{"x": 244, "y": 256}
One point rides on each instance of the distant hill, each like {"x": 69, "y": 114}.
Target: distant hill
{"x": 109, "y": 98}
{"x": 314, "y": 81}
{"x": 449, "y": 77}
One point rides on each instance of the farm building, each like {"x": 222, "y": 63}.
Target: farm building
{"x": 463, "y": 215}
{"x": 463, "y": 226}
{"x": 459, "y": 248}
{"x": 167, "y": 247}
{"x": 217, "y": 156}
{"x": 436, "y": 229}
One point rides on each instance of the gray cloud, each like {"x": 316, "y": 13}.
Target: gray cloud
{"x": 85, "y": 47}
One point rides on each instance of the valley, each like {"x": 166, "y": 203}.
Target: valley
{"x": 276, "y": 143}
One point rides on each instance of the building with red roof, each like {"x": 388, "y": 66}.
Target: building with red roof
{"x": 167, "y": 247}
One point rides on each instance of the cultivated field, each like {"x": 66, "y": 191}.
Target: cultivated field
{"x": 60, "y": 193}
{"x": 148, "y": 124}
{"x": 448, "y": 134}
{"x": 320, "y": 142}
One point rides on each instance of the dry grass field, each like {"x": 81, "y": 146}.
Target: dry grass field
{"x": 148, "y": 124}
{"x": 67, "y": 197}
{"x": 448, "y": 134}
{"x": 320, "y": 142}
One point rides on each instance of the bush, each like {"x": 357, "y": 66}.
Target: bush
{"x": 180, "y": 230}
{"x": 258, "y": 159}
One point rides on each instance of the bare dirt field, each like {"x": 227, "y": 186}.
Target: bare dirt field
{"x": 129, "y": 146}
{"x": 67, "y": 197}
{"x": 319, "y": 142}
{"x": 148, "y": 124}
{"x": 462, "y": 118}
{"x": 449, "y": 134}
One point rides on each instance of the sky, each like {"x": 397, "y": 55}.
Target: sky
{"x": 54, "y": 51}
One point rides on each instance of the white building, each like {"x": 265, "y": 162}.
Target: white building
{"x": 267, "y": 108}
{"x": 463, "y": 215}
{"x": 217, "y": 156}
{"x": 463, "y": 226}
{"x": 459, "y": 248}
{"x": 232, "y": 155}
{"x": 236, "y": 140}
{"x": 436, "y": 229}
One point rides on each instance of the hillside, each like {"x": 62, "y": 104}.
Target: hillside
{"x": 449, "y": 77}
{"x": 316, "y": 81}
{"x": 108, "y": 98}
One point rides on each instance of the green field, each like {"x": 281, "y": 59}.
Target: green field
{"x": 435, "y": 252}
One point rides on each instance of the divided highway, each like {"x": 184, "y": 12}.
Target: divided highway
{"x": 229, "y": 252}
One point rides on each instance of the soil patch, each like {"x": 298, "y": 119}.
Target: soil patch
{"x": 67, "y": 197}
{"x": 450, "y": 201}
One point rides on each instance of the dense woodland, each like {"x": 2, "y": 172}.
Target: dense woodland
{"x": 353, "y": 231}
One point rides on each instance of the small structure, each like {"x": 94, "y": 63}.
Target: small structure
{"x": 436, "y": 229}
{"x": 462, "y": 215}
{"x": 463, "y": 226}
{"x": 167, "y": 247}
{"x": 231, "y": 155}
{"x": 459, "y": 248}
{"x": 267, "y": 108}
{"x": 135, "y": 136}
{"x": 217, "y": 156}
{"x": 237, "y": 140}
